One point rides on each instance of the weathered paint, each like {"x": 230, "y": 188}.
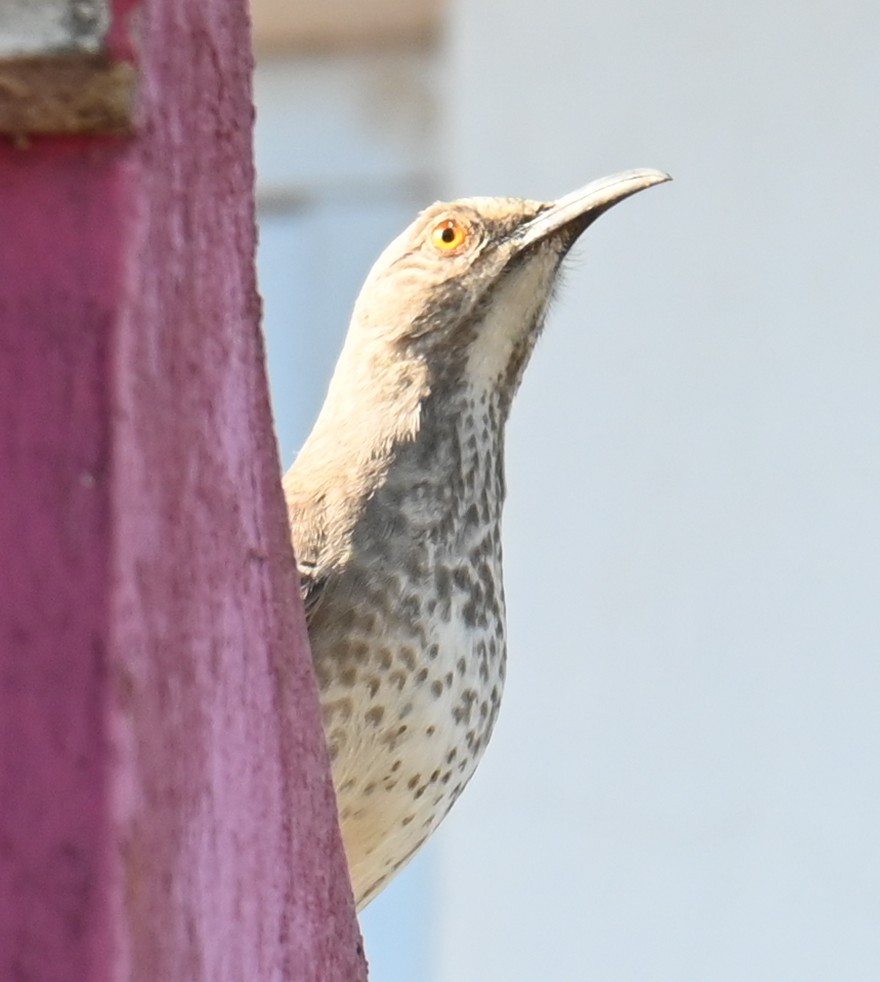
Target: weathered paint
{"x": 165, "y": 807}
{"x": 37, "y": 27}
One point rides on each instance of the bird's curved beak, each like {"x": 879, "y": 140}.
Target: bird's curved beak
{"x": 581, "y": 208}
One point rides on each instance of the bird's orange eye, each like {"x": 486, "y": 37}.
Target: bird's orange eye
{"x": 449, "y": 235}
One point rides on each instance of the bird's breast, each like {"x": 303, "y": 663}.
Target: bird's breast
{"x": 409, "y": 648}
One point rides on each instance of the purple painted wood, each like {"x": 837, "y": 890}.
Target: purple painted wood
{"x": 165, "y": 805}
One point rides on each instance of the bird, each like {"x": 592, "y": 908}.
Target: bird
{"x": 395, "y": 505}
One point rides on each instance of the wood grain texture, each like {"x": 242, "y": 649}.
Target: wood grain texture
{"x": 65, "y": 93}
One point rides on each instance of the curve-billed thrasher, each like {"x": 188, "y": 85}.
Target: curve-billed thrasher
{"x": 395, "y": 504}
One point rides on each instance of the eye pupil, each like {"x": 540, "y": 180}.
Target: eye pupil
{"x": 449, "y": 235}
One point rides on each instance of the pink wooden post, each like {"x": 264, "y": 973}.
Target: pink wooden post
{"x": 165, "y": 808}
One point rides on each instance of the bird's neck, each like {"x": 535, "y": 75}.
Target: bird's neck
{"x": 395, "y": 454}
{"x": 373, "y": 405}
{"x": 454, "y": 464}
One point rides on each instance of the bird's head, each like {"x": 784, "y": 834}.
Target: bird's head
{"x": 440, "y": 334}
{"x": 463, "y": 291}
